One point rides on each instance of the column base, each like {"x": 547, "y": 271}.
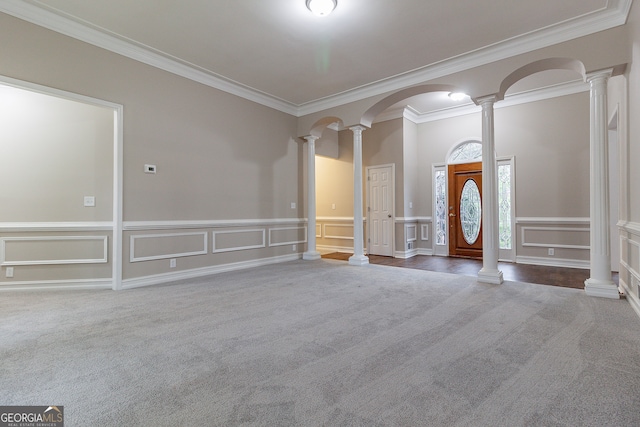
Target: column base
{"x": 601, "y": 288}
{"x": 358, "y": 260}
{"x": 311, "y": 256}
{"x": 490, "y": 276}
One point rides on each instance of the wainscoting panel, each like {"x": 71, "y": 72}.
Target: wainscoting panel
{"x": 555, "y": 237}
{"x": 53, "y": 250}
{"x": 147, "y": 247}
{"x": 559, "y": 242}
{"x": 283, "y": 236}
{"x": 238, "y": 240}
{"x": 338, "y": 231}
{"x": 630, "y": 263}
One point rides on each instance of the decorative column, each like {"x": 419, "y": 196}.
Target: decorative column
{"x": 490, "y": 225}
{"x": 358, "y": 257}
{"x": 599, "y": 284}
{"x": 311, "y": 254}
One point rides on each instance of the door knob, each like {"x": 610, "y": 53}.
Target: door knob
{"x": 452, "y": 214}
{"x": 389, "y": 215}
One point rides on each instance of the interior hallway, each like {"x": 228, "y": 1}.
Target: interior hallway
{"x": 538, "y": 274}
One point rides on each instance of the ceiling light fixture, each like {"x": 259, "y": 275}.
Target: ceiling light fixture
{"x": 321, "y": 7}
{"x": 457, "y": 96}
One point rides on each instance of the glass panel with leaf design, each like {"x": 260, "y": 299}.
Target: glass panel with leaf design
{"x": 441, "y": 208}
{"x": 470, "y": 211}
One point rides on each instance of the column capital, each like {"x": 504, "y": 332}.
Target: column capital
{"x": 598, "y": 75}
{"x": 311, "y": 138}
{"x": 357, "y": 129}
{"x": 484, "y": 100}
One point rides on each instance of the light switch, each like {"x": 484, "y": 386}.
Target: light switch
{"x": 293, "y": 205}
{"x": 89, "y": 201}
{"x": 150, "y": 168}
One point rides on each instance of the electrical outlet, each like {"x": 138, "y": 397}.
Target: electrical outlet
{"x": 172, "y": 263}
{"x": 9, "y": 272}
{"x": 293, "y": 248}
{"x": 552, "y": 252}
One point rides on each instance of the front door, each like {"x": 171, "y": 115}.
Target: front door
{"x": 465, "y": 210}
{"x": 381, "y": 195}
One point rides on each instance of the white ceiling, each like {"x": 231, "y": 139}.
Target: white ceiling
{"x": 279, "y": 53}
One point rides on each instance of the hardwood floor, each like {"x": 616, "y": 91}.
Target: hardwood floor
{"x": 543, "y": 275}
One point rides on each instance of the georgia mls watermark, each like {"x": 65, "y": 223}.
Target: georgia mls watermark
{"x": 31, "y": 416}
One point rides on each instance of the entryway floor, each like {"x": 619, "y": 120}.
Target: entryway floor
{"x": 543, "y": 275}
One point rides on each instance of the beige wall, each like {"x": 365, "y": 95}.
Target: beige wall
{"x": 218, "y": 157}
{"x": 55, "y": 152}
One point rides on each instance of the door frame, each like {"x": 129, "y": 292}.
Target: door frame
{"x": 116, "y": 223}
{"x": 393, "y": 206}
{"x": 453, "y": 211}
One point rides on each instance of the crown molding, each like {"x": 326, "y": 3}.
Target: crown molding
{"x": 139, "y": 52}
{"x": 549, "y": 92}
{"x": 613, "y": 15}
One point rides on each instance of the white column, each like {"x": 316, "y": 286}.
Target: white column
{"x": 358, "y": 257}
{"x": 599, "y": 284}
{"x": 311, "y": 254}
{"x": 490, "y": 228}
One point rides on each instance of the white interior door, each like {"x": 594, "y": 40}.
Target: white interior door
{"x": 380, "y": 211}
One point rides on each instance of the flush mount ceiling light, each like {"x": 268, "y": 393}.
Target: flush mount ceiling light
{"x": 457, "y": 96}
{"x": 321, "y": 7}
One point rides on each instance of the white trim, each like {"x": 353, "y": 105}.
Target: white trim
{"x": 410, "y": 253}
{"x": 118, "y": 160}
{"x": 424, "y": 232}
{"x": 38, "y": 285}
{"x": 577, "y": 27}
{"x": 332, "y": 248}
{"x": 335, "y": 218}
{"x": 238, "y": 248}
{"x": 292, "y": 242}
{"x": 544, "y": 220}
{"x": 633, "y": 300}
{"x": 401, "y": 220}
{"x": 415, "y": 232}
{"x": 134, "y": 237}
{"x": 205, "y": 271}
{"x": 553, "y": 245}
{"x": 630, "y": 227}
{"x": 103, "y": 260}
{"x": 318, "y": 231}
{"x": 141, "y": 53}
{"x": 179, "y": 224}
{"x": 327, "y": 236}
{"x": 553, "y": 262}
{"x": 613, "y": 15}
{"x": 15, "y": 227}
{"x": 425, "y": 251}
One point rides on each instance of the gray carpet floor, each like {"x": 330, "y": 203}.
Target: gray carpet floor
{"x": 324, "y": 344}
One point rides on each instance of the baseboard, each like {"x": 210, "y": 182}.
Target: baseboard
{"x": 205, "y": 271}
{"x": 406, "y": 254}
{"x": 327, "y": 249}
{"x": 553, "y": 262}
{"x": 427, "y": 252}
{"x": 633, "y": 300}
{"x": 39, "y": 285}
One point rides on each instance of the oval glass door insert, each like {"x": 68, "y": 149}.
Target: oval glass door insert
{"x": 470, "y": 211}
